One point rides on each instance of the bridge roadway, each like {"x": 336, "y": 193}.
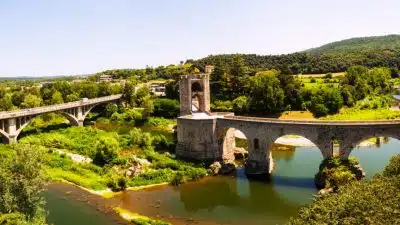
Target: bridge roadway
{"x": 12, "y": 122}
{"x": 213, "y": 138}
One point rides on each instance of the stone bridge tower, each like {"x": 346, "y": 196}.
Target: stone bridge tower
{"x": 194, "y": 93}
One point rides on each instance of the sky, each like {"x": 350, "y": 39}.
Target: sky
{"x": 54, "y": 37}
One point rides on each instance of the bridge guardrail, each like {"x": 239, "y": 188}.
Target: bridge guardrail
{"x": 57, "y": 107}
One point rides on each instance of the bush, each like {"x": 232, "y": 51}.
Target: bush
{"x": 107, "y": 149}
{"x": 164, "y": 107}
{"x": 374, "y": 202}
{"x": 132, "y": 115}
{"x": 319, "y": 110}
{"x": 393, "y": 168}
{"x": 240, "y": 104}
{"x": 334, "y": 172}
{"x": 178, "y": 179}
{"x": 222, "y": 106}
{"x": 110, "y": 109}
{"x": 313, "y": 80}
{"x": 328, "y": 76}
{"x": 116, "y": 182}
{"x": 117, "y": 118}
{"x": 159, "y": 122}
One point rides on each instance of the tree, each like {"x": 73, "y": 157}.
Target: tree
{"x": 22, "y": 183}
{"x": 166, "y": 108}
{"x": 266, "y": 93}
{"x": 326, "y": 101}
{"x": 2, "y": 91}
{"x": 72, "y": 97}
{"x": 89, "y": 90}
{"x": 147, "y": 104}
{"x": 104, "y": 89}
{"x": 56, "y": 98}
{"x": 128, "y": 94}
{"x": 237, "y": 76}
{"x": 31, "y": 101}
{"x": 64, "y": 87}
{"x": 6, "y": 103}
{"x": 218, "y": 72}
{"x": 17, "y": 98}
{"x": 172, "y": 90}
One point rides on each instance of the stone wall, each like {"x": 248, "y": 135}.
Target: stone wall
{"x": 211, "y": 139}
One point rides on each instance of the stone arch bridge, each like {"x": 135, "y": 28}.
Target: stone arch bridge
{"x": 210, "y": 137}
{"x": 12, "y": 122}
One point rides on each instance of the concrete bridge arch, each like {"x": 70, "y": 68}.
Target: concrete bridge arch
{"x": 13, "y": 122}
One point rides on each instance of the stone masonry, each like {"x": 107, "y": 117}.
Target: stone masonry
{"x": 210, "y": 137}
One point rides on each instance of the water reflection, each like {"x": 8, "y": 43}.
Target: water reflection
{"x": 236, "y": 200}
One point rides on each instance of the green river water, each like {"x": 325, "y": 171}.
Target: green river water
{"x": 215, "y": 200}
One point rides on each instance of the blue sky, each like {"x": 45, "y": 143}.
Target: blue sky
{"x": 54, "y": 37}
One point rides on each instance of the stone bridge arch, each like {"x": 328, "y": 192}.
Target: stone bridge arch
{"x": 350, "y": 138}
{"x": 323, "y": 142}
{"x": 226, "y": 138}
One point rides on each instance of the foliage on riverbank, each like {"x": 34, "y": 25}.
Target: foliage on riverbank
{"x": 138, "y": 219}
{"x": 364, "y": 202}
{"x": 112, "y": 154}
{"x": 21, "y": 184}
{"x": 334, "y": 172}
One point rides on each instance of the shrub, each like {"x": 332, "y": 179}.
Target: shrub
{"x": 328, "y": 76}
{"x": 240, "y": 104}
{"x": 106, "y": 151}
{"x": 166, "y": 108}
{"x": 319, "y": 110}
{"x": 222, "y": 106}
{"x": 374, "y": 202}
{"x": 116, "y": 182}
{"x": 393, "y": 168}
{"x": 116, "y": 118}
{"x": 159, "y": 122}
{"x": 313, "y": 80}
{"x": 178, "y": 179}
{"x": 132, "y": 115}
{"x": 110, "y": 109}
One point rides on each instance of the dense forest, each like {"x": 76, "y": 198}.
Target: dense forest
{"x": 382, "y": 51}
{"x": 333, "y": 57}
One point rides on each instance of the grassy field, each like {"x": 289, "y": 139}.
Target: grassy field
{"x": 368, "y": 114}
{"x": 340, "y": 74}
{"x": 345, "y": 114}
{"x": 296, "y": 115}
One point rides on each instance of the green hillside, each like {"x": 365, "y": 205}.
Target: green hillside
{"x": 359, "y": 45}
{"x": 334, "y": 57}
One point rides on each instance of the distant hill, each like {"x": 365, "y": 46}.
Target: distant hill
{"x": 359, "y": 45}
{"x": 333, "y": 57}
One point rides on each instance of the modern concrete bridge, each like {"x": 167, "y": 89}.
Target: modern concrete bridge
{"x": 12, "y": 122}
{"x": 207, "y": 136}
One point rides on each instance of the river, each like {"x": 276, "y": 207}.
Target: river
{"x": 216, "y": 200}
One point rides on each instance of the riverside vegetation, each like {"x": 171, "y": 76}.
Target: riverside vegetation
{"x": 122, "y": 149}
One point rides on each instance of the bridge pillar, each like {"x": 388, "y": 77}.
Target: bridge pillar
{"x": 197, "y": 140}
{"x": 259, "y": 162}
{"x": 326, "y": 147}
{"x": 80, "y": 117}
{"x": 12, "y": 131}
